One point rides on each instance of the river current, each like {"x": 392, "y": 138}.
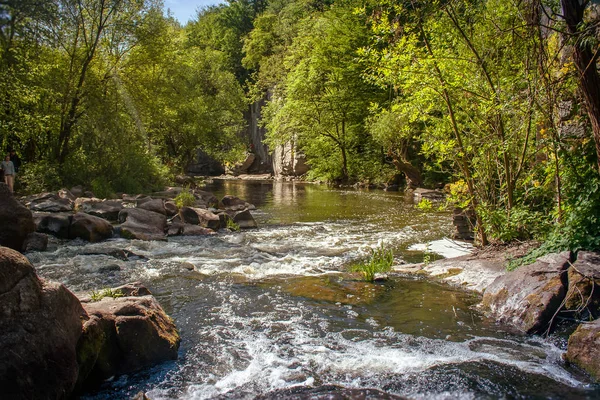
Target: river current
{"x": 264, "y": 310}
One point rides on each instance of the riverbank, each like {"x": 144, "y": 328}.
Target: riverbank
{"x": 474, "y": 271}
{"x": 533, "y": 299}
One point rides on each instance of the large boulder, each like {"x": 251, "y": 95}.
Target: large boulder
{"x": 206, "y": 198}
{"x": 155, "y": 205}
{"x": 529, "y": 297}
{"x": 125, "y": 334}
{"x": 53, "y": 203}
{"x": 90, "y": 228}
{"x": 181, "y": 229}
{"x": 142, "y": 224}
{"x": 55, "y": 224}
{"x": 39, "y": 329}
{"x": 35, "y": 241}
{"x": 583, "y": 349}
{"x": 243, "y": 219}
{"x": 106, "y": 209}
{"x": 171, "y": 208}
{"x": 200, "y": 216}
{"x": 583, "y": 296}
{"x": 234, "y": 203}
{"x": 15, "y": 219}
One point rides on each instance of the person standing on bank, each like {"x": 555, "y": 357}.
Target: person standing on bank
{"x": 9, "y": 172}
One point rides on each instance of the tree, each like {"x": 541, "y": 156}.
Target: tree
{"x": 586, "y": 60}
{"x": 325, "y": 101}
{"x": 464, "y": 76}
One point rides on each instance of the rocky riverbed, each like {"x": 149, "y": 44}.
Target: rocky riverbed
{"x": 238, "y": 298}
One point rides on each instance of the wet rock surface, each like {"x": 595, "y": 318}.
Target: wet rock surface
{"x": 125, "y": 334}
{"x": 53, "y": 344}
{"x": 35, "y": 241}
{"x": 142, "y": 224}
{"x": 529, "y": 297}
{"x": 15, "y": 219}
{"x": 329, "y": 392}
{"x": 584, "y": 348}
{"x": 56, "y": 224}
{"x": 244, "y": 219}
{"x": 90, "y": 228}
{"x": 141, "y": 217}
{"x": 51, "y": 203}
{"x": 200, "y": 216}
{"x": 39, "y": 330}
{"x": 106, "y": 209}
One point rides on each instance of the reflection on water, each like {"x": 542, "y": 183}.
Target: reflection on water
{"x": 270, "y": 309}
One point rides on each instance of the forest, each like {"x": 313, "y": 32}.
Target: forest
{"x": 498, "y": 101}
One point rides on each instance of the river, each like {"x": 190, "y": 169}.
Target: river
{"x": 268, "y": 309}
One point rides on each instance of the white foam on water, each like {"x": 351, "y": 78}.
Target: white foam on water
{"x": 280, "y": 353}
{"x": 444, "y": 247}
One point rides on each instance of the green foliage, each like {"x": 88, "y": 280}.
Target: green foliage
{"x": 122, "y": 108}
{"x": 425, "y": 205}
{"x": 101, "y": 187}
{"x": 324, "y": 101}
{"x": 380, "y": 261}
{"x": 521, "y": 224}
{"x": 39, "y": 177}
{"x": 427, "y": 255}
{"x": 231, "y": 225}
{"x": 579, "y": 226}
{"x": 106, "y": 292}
{"x": 185, "y": 199}
{"x": 458, "y": 195}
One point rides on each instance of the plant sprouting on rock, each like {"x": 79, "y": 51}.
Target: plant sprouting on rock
{"x": 106, "y": 292}
{"x": 185, "y": 199}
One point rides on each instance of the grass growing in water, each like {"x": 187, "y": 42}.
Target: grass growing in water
{"x": 381, "y": 261}
{"x": 232, "y": 225}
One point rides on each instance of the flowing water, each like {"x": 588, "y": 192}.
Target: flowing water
{"x": 268, "y": 309}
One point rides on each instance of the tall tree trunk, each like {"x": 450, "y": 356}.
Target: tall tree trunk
{"x": 585, "y": 61}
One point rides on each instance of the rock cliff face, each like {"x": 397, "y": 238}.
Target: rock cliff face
{"x": 288, "y": 161}
{"x": 263, "y": 161}
{"x": 282, "y": 161}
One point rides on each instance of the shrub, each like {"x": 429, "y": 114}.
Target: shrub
{"x": 39, "y": 177}
{"x": 425, "y": 205}
{"x": 185, "y": 199}
{"x": 381, "y": 261}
